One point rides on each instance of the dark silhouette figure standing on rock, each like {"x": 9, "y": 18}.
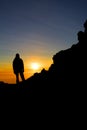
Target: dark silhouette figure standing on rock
{"x": 18, "y": 68}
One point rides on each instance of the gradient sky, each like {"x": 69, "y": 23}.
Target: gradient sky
{"x": 37, "y": 29}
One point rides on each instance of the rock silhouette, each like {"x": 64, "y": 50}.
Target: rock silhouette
{"x": 56, "y": 93}
{"x": 66, "y": 76}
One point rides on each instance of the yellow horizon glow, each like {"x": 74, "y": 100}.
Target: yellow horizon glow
{"x": 35, "y": 65}
{"x": 31, "y": 66}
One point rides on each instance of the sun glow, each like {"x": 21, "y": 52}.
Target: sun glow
{"x": 35, "y": 66}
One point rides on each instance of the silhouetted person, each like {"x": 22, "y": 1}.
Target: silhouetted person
{"x": 18, "y": 68}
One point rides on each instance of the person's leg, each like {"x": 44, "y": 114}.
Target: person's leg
{"x": 22, "y": 76}
{"x": 17, "y": 78}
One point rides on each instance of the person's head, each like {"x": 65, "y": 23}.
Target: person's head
{"x": 17, "y": 55}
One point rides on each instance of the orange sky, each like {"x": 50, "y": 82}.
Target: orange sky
{"x": 6, "y": 71}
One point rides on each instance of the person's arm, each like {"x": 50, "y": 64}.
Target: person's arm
{"x": 22, "y": 65}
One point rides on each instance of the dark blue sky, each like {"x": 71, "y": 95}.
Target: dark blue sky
{"x": 54, "y": 22}
{"x": 39, "y": 27}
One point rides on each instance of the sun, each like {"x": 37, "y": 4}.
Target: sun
{"x": 35, "y": 66}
